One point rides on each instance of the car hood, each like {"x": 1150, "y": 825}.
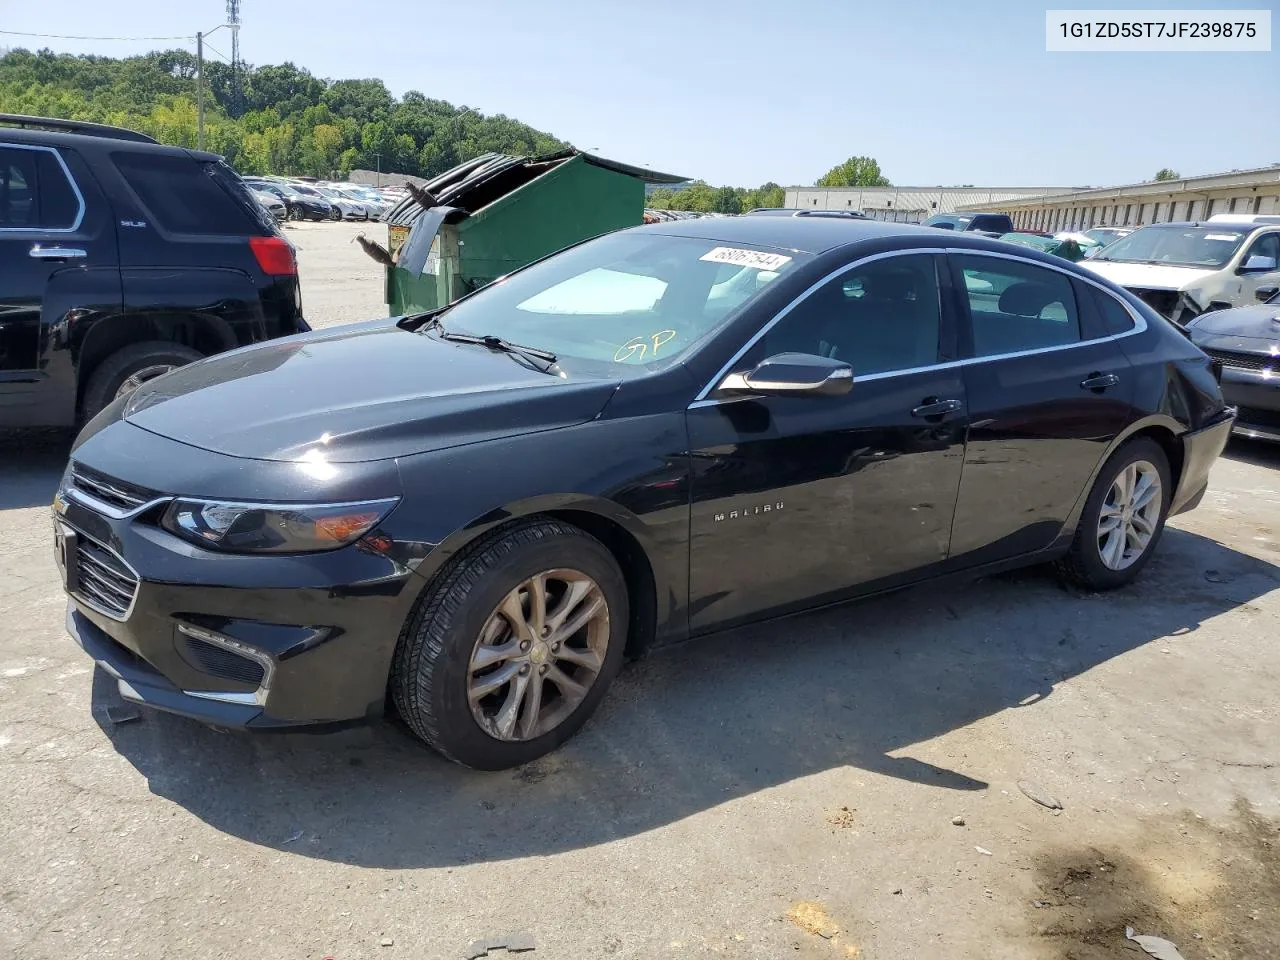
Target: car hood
{"x": 1259, "y": 325}
{"x": 368, "y": 391}
{"x": 1153, "y": 276}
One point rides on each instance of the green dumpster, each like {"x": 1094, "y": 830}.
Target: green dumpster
{"x": 485, "y": 218}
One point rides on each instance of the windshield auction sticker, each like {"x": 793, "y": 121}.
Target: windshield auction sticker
{"x": 746, "y": 258}
{"x": 1167, "y": 31}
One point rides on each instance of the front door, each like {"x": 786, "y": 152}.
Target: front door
{"x": 800, "y": 500}
{"x": 1264, "y": 253}
{"x": 1048, "y": 387}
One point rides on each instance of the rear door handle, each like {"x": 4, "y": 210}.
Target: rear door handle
{"x": 936, "y": 408}
{"x": 56, "y": 253}
{"x": 1099, "y": 381}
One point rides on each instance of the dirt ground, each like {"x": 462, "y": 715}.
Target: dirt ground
{"x": 839, "y": 785}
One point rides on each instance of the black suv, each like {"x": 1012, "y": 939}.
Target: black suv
{"x": 123, "y": 259}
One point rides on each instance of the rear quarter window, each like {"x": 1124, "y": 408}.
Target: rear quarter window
{"x": 1115, "y": 318}
{"x": 183, "y": 195}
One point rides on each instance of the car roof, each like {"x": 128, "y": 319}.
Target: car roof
{"x": 806, "y": 234}
{"x": 86, "y": 143}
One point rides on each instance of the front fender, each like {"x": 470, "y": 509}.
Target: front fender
{"x": 631, "y": 473}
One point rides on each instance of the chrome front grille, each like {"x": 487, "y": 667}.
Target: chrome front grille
{"x": 114, "y": 493}
{"x": 102, "y": 580}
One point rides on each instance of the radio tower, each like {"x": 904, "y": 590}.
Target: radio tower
{"x": 237, "y": 90}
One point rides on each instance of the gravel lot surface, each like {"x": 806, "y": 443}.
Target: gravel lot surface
{"x": 838, "y": 785}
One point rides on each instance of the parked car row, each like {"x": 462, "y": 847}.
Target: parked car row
{"x": 298, "y": 199}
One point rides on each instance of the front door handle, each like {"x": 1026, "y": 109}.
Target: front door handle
{"x": 936, "y": 408}
{"x": 1099, "y": 381}
{"x": 57, "y": 253}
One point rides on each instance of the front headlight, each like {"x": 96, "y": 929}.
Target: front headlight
{"x": 274, "y": 528}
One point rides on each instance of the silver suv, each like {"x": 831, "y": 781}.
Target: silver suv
{"x": 1185, "y": 269}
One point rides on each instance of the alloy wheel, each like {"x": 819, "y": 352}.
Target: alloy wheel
{"x": 1130, "y": 515}
{"x": 139, "y": 377}
{"x": 538, "y": 655}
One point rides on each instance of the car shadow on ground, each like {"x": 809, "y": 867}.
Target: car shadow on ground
{"x": 1258, "y": 453}
{"x": 693, "y": 726}
{"x": 31, "y": 463}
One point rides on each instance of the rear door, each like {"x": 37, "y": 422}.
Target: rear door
{"x": 1048, "y": 388}
{"x": 58, "y": 255}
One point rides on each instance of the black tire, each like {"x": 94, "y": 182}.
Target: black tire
{"x": 109, "y": 375}
{"x": 293, "y": 213}
{"x": 430, "y": 671}
{"x": 1083, "y": 564}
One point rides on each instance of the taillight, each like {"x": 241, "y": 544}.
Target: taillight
{"x": 274, "y": 255}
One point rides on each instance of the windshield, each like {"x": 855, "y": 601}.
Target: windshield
{"x": 308, "y": 191}
{"x": 1184, "y": 246}
{"x": 626, "y": 299}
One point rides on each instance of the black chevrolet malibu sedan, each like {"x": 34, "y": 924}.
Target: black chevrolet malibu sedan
{"x": 472, "y": 517}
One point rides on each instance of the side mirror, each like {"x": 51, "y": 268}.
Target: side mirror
{"x": 793, "y": 375}
{"x": 1259, "y": 264}
{"x": 1266, "y": 293}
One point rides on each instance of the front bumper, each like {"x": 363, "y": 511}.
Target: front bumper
{"x": 1257, "y": 394}
{"x": 253, "y": 641}
{"x": 1200, "y": 448}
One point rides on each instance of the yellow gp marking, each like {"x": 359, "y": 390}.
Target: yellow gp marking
{"x": 661, "y": 337}
{"x": 628, "y": 350}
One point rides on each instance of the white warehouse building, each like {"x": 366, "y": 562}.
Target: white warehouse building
{"x": 909, "y": 204}
{"x": 1255, "y": 191}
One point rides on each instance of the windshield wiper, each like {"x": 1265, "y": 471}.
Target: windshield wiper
{"x": 497, "y": 343}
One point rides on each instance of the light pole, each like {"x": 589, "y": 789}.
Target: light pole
{"x": 200, "y": 84}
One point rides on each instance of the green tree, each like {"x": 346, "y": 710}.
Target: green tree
{"x": 293, "y": 122}
{"x": 1164, "y": 173}
{"x": 854, "y": 172}
{"x": 726, "y": 200}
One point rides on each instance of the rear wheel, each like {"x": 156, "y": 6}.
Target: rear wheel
{"x": 128, "y": 368}
{"x": 512, "y": 648}
{"x": 1122, "y": 519}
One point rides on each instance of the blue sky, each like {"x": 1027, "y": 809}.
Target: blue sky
{"x": 753, "y": 90}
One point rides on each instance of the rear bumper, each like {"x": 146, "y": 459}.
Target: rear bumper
{"x": 1200, "y": 448}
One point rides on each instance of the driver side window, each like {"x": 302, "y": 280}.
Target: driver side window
{"x": 879, "y": 317}
{"x": 1267, "y": 245}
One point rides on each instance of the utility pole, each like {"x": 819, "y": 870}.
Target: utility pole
{"x": 237, "y": 88}
{"x": 199, "y": 91}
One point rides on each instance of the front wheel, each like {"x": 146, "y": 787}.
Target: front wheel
{"x": 512, "y": 648}
{"x": 1122, "y": 519}
{"x": 130, "y": 367}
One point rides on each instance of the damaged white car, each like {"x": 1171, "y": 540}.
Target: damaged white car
{"x": 1185, "y": 269}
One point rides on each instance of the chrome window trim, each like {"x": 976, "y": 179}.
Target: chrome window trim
{"x": 75, "y": 188}
{"x": 1139, "y": 322}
